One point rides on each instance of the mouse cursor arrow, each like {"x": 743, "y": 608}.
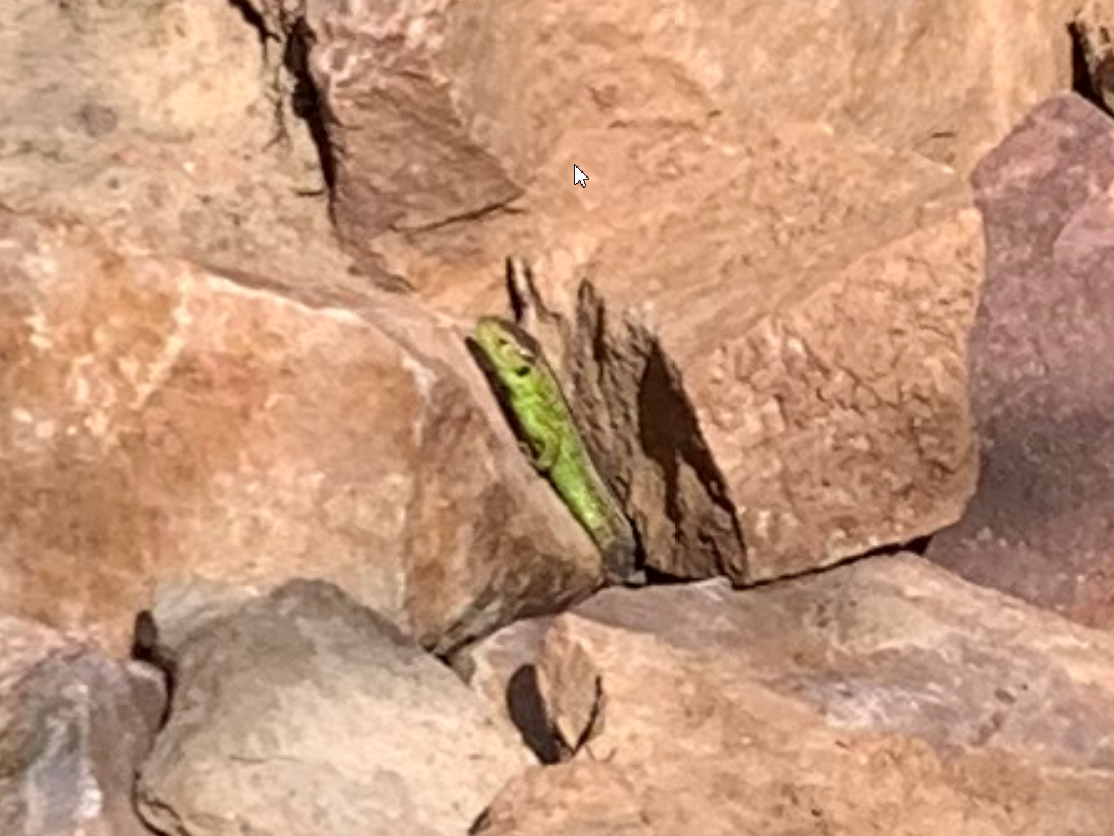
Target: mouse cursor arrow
{"x": 579, "y": 178}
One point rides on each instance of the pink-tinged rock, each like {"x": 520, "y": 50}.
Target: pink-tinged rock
{"x": 1040, "y": 525}
{"x": 887, "y": 696}
{"x": 74, "y": 728}
{"x": 161, "y": 422}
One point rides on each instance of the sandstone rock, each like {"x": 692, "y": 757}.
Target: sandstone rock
{"x": 171, "y": 124}
{"x": 675, "y": 110}
{"x": 164, "y": 422}
{"x": 886, "y": 696}
{"x": 833, "y": 317}
{"x": 1042, "y": 382}
{"x": 304, "y": 713}
{"x": 74, "y": 727}
{"x": 793, "y": 391}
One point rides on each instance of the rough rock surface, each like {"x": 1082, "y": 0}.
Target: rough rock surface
{"x": 886, "y": 696}
{"x": 162, "y": 421}
{"x": 808, "y": 386}
{"x": 74, "y": 727}
{"x": 170, "y": 123}
{"x": 1040, "y": 525}
{"x": 204, "y": 127}
{"x": 833, "y": 316}
{"x": 204, "y": 389}
{"x": 303, "y": 713}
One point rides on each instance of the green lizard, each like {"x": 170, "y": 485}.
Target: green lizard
{"x": 532, "y": 397}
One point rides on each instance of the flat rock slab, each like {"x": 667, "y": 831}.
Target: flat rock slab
{"x": 1041, "y": 525}
{"x": 74, "y": 727}
{"x": 887, "y": 696}
{"x": 304, "y": 713}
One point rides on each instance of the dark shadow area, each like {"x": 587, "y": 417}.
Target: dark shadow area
{"x": 656, "y": 577}
{"x": 306, "y": 103}
{"x": 527, "y": 712}
{"x": 918, "y": 546}
{"x": 252, "y": 17}
{"x": 146, "y": 648}
{"x": 1082, "y": 83}
{"x": 306, "y": 100}
{"x": 670, "y": 434}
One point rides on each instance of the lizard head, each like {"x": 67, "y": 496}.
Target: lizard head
{"x": 507, "y": 352}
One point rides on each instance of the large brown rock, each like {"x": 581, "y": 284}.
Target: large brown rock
{"x": 165, "y": 422}
{"x": 807, "y": 382}
{"x": 1041, "y": 375}
{"x": 887, "y": 696}
{"x": 807, "y": 401}
{"x": 427, "y": 136}
{"x": 74, "y": 728}
{"x": 303, "y": 713}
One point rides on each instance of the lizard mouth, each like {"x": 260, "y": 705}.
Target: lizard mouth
{"x": 487, "y": 366}
{"x": 498, "y": 387}
{"x": 480, "y": 356}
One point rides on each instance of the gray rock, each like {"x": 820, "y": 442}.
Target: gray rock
{"x": 304, "y": 713}
{"x": 74, "y": 727}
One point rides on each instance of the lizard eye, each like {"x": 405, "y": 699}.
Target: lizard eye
{"x": 522, "y": 370}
